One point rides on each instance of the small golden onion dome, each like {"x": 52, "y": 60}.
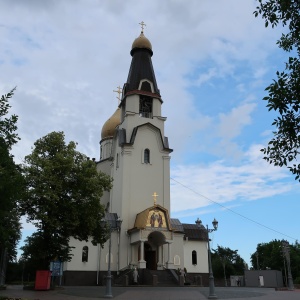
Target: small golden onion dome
{"x": 110, "y": 125}
{"x": 141, "y": 42}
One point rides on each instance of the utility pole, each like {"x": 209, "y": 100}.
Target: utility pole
{"x": 286, "y": 250}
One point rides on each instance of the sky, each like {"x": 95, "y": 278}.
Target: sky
{"x": 212, "y": 60}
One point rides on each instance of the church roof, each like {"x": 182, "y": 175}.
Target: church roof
{"x": 191, "y": 231}
{"x": 176, "y": 225}
{"x": 194, "y": 232}
{"x": 143, "y": 218}
{"x": 141, "y": 68}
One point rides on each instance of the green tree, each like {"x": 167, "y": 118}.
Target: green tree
{"x": 11, "y": 186}
{"x": 63, "y": 191}
{"x": 8, "y": 125}
{"x": 270, "y": 256}
{"x": 227, "y": 262}
{"x": 284, "y": 92}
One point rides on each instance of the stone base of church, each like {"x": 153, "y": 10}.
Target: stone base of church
{"x": 78, "y": 278}
{"x": 89, "y": 278}
{"x": 170, "y": 265}
{"x": 142, "y": 264}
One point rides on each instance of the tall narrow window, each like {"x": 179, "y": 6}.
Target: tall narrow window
{"x": 194, "y": 257}
{"x": 85, "y": 254}
{"x": 147, "y": 156}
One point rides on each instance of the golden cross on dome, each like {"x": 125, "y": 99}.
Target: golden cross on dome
{"x": 154, "y": 197}
{"x": 119, "y": 91}
{"x": 142, "y": 25}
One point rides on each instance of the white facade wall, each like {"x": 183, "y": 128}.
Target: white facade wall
{"x": 177, "y": 253}
{"x": 133, "y": 119}
{"x": 76, "y": 263}
{"x": 202, "y": 256}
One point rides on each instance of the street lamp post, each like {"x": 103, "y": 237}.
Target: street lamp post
{"x": 212, "y": 294}
{"x": 108, "y": 291}
{"x": 286, "y": 251}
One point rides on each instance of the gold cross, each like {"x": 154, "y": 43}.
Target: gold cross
{"x": 154, "y": 197}
{"x": 119, "y": 91}
{"x": 142, "y": 25}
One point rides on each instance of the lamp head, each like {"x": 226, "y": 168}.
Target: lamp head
{"x": 215, "y": 224}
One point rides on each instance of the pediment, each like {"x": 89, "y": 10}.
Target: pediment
{"x": 154, "y": 217}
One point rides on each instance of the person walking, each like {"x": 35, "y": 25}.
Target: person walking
{"x": 135, "y": 276}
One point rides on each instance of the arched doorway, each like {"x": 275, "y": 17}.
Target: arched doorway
{"x": 155, "y": 240}
{"x": 150, "y": 257}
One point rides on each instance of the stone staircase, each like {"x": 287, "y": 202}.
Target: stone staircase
{"x": 164, "y": 278}
{"x": 147, "y": 277}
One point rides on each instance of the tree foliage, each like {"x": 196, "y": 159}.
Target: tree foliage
{"x": 227, "y": 262}
{"x": 284, "y": 92}
{"x": 63, "y": 191}
{"x": 270, "y": 256}
{"x": 8, "y": 125}
{"x": 11, "y": 181}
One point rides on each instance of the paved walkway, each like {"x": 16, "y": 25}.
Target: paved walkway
{"x": 150, "y": 293}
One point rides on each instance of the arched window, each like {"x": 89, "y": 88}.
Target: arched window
{"x": 194, "y": 257}
{"x": 147, "y": 156}
{"x": 85, "y": 254}
{"x": 177, "y": 260}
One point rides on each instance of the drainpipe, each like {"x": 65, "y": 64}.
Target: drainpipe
{"x": 118, "y": 254}
{"x": 98, "y": 263}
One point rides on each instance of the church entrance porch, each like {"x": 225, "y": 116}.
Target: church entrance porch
{"x": 150, "y": 251}
{"x": 151, "y": 239}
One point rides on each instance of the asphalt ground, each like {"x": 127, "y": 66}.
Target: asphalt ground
{"x": 149, "y": 293}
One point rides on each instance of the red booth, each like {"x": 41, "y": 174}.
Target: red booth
{"x": 42, "y": 280}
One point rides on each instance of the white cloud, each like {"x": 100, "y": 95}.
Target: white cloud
{"x": 217, "y": 182}
{"x": 206, "y": 76}
{"x": 231, "y": 124}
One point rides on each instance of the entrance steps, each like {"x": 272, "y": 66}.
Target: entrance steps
{"x": 147, "y": 277}
{"x": 164, "y": 278}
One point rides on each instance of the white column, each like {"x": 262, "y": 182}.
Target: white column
{"x": 142, "y": 262}
{"x": 160, "y": 260}
{"x": 169, "y": 264}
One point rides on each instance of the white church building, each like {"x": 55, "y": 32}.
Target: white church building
{"x": 135, "y": 152}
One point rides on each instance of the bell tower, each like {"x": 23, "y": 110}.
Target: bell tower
{"x": 135, "y": 148}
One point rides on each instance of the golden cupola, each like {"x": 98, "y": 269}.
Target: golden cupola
{"x": 109, "y": 127}
{"x": 141, "y": 42}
